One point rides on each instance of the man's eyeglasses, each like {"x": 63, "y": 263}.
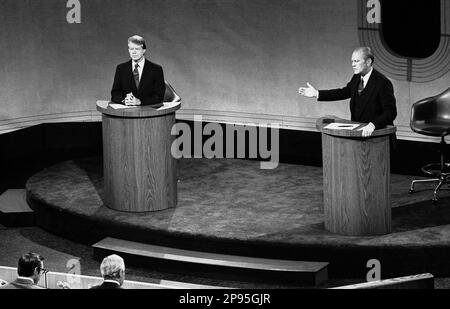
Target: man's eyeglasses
{"x": 43, "y": 270}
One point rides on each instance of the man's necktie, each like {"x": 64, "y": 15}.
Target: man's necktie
{"x": 361, "y": 86}
{"x": 136, "y": 75}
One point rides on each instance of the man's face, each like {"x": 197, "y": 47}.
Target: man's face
{"x": 136, "y": 51}
{"x": 359, "y": 64}
{"x": 38, "y": 273}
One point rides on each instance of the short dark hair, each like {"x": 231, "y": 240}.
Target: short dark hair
{"x": 28, "y": 263}
{"x": 138, "y": 40}
{"x": 367, "y": 53}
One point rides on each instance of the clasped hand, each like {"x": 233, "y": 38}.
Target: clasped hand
{"x": 130, "y": 99}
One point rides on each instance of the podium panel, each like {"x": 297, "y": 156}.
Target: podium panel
{"x": 356, "y": 181}
{"x": 139, "y": 170}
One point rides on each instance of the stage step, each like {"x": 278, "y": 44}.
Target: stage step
{"x": 300, "y": 273}
{"x": 14, "y": 209}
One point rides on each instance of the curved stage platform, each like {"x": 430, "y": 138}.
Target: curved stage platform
{"x": 233, "y": 207}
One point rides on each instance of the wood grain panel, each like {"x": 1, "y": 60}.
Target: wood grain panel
{"x": 356, "y": 178}
{"x": 139, "y": 170}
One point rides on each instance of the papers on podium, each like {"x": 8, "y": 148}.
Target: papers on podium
{"x": 341, "y": 126}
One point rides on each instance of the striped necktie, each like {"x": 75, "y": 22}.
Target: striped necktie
{"x": 136, "y": 75}
{"x": 361, "y": 86}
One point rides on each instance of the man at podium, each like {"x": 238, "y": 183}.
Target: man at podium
{"x": 371, "y": 94}
{"x": 138, "y": 81}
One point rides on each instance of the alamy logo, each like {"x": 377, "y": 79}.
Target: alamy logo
{"x": 74, "y": 271}
{"x": 374, "y": 14}
{"x": 374, "y": 274}
{"x": 213, "y": 147}
{"x": 74, "y": 14}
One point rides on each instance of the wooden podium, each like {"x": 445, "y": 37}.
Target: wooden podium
{"x": 356, "y": 179}
{"x": 139, "y": 170}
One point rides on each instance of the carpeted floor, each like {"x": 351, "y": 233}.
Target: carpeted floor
{"x": 233, "y": 207}
{"x": 234, "y": 199}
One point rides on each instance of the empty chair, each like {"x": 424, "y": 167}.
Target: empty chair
{"x": 431, "y": 116}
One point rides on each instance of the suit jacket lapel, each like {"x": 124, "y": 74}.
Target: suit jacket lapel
{"x": 130, "y": 76}
{"x": 145, "y": 73}
{"x": 354, "y": 91}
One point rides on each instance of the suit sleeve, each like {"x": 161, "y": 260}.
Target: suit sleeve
{"x": 388, "y": 105}
{"x": 117, "y": 94}
{"x": 335, "y": 94}
{"x": 159, "y": 88}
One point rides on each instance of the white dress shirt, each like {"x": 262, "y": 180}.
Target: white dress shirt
{"x": 366, "y": 77}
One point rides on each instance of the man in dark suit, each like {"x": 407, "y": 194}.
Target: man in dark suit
{"x": 113, "y": 272}
{"x": 371, "y": 94}
{"x": 138, "y": 81}
{"x": 29, "y": 270}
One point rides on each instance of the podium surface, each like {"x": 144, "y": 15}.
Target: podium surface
{"x": 139, "y": 169}
{"x": 356, "y": 179}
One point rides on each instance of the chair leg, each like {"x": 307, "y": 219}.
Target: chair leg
{"x": 444, "y": 179}
{"x": 443, "y": 172}
{"x": 411, "y": 190}
{"x": 441, "y": 182}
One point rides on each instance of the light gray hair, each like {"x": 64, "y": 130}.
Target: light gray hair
{"x": 367, "y": 53}
{"x": 111, "y": 266}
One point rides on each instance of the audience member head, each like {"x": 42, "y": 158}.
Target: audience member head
{"x": 113, "y": 268}
{"x": 31, "y": 265}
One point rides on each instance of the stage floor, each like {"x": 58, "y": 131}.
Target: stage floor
{"x": 232, "y": 206}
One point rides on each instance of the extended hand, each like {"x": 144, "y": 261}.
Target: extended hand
{"x": 309, "y": 92}
{"x": 367, "y": 130}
